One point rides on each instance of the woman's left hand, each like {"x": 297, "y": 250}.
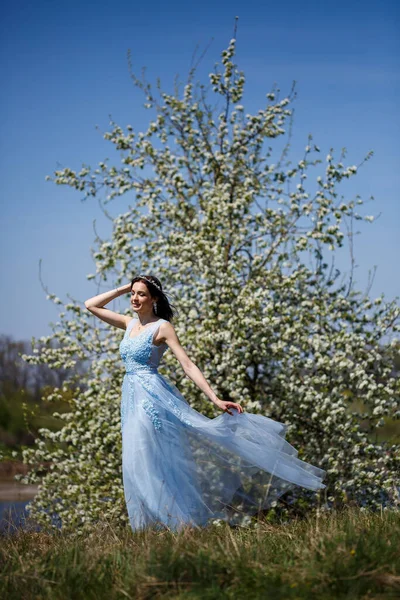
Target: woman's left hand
{"x": 225, "y": 406}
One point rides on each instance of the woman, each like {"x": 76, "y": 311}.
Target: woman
{"x": 180, "y": 467}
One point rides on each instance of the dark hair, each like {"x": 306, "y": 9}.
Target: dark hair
{"x": 165, "y": 310}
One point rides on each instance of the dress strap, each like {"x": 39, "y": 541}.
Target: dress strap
{"x": 156, "y": 328}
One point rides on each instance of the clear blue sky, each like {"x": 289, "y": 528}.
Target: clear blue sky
{"x": 64, "y": 70}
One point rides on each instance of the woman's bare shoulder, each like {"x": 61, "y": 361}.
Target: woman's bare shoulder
{"x": 166, "y": 325}
{"x": 167, "y": 331}
{"x": 129, "y": 320}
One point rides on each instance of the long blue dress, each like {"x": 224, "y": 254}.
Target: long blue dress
{"x": 180, "y": 467}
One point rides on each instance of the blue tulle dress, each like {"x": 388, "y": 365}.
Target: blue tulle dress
{"x": 180, "y": 467}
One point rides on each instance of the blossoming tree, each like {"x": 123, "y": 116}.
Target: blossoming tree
{"x": 241, "y": 243}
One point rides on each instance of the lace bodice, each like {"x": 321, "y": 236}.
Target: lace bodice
{"x": 141, "y": 358}
{"x": 140, "y": 354}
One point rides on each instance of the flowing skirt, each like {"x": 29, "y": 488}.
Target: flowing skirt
{"x": 180, "y": 467}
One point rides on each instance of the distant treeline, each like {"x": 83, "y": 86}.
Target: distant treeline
{"x": 22, "y": 387}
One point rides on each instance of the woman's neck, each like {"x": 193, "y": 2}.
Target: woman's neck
{"x": 145, "y": 319}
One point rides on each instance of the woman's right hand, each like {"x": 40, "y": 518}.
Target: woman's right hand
{"x": 226, "y": 405}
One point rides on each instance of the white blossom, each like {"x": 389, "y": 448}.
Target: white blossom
{"x": 255, "y": 316}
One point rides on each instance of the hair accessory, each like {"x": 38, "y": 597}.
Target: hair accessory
{"x": 149, "y": 280}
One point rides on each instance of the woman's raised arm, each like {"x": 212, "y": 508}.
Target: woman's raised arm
{"x": 95, "y": 305}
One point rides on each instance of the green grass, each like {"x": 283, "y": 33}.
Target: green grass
{"x": 349, "y": 554}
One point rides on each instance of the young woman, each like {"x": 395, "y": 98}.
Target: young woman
{"x": 180, "y": 467}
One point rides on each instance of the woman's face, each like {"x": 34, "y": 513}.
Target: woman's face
{"x": 141, "y": 301}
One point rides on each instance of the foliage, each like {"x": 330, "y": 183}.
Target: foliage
{"x": 241, "y": 242}
{"x": 23, "y": 391}
{"x": 351, "y": 554}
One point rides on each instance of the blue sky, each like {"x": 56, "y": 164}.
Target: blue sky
{"x": 65, "y": 71}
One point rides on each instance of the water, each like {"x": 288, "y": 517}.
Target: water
{"x": 14, "y": 497}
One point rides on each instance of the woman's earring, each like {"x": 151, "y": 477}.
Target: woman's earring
{"x": 155, "y": 307}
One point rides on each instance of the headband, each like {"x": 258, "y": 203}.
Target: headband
{"x": 149, "y": 280}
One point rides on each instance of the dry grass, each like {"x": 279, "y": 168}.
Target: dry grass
{"x": 351, "y": 554}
